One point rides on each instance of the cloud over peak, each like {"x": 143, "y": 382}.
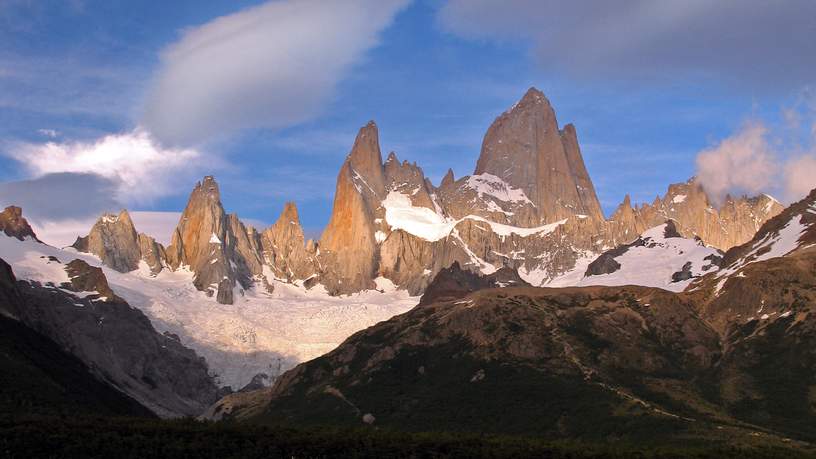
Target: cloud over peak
{"x": 270, "y": 66}
{"x": 759, "y": 157}
{"x": 740, "y": 164}
{"x": 137, "y": 166}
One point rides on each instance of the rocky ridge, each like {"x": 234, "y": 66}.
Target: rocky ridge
{"x": 530, "y": 205}
{"x": 731, "y": 224}
{"x": 41, "y": 378}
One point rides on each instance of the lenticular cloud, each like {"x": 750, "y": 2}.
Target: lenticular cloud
{"x": 270, "y": 66}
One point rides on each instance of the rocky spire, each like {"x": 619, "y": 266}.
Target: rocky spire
{"x": 448, "y": 179}
{"x": 153, "y": 253}
{"x": 114, "y": 240}
{"x": 243, "y": 251}
{"x": 409, "y": 179}
{"x": 14, "y": 225}
{"x": 348, "y": 245}
{"x": 200, "y": 242}
{"x": 365, "y": 158}
{"x": 586, "y": 190}
{"x": 285, "y": 250}
{"x": 525, "y": 148}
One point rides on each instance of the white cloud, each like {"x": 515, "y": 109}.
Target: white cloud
{"x": 269, "y": 66}
{"x": 742, "y": 163}
{"x": 138, "y": 166}
{"x": 780, "y": 161}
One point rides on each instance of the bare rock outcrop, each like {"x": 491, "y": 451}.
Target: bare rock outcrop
{"x": 407, "y": 178}
{"x": 113, "y": 239}
{"x": 216, "y": 247}
{"x": 86, "y": 278}
{"x": 284, "y": 247}
{"x": 525, "y": 149}
{"x": 13, "y": 224}
{"x": 152, "y": 253}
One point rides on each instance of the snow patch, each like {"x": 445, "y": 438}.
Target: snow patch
{"x": 431, "y": 226}
{"x": 491, "y": 185}
{"x": 422, "y": 222}
{"x": 650, "y": 265}
{"x": 773, "y": 245}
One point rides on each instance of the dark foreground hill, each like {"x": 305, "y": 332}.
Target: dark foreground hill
{"x": 123, "y": 438}
{"x": 38, "y": 377}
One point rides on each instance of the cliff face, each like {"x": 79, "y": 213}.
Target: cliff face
{"x": 12, "y": 224}
{"x": 118, "y": 343}
{"x": 348, "y": 246}
{"x": 42, "y": 378}
{"x": 114, "y": 239}
{"x": 525, "y": 149}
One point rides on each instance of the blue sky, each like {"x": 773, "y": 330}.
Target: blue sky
{"x": 432, "y": 74}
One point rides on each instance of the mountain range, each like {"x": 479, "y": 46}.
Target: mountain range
{"x": 530, "y": 205}
{"x": 504, "y": 302}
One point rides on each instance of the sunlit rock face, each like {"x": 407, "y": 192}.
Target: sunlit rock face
{"x": 530, "y": 205}
{"x": 525, "y": 148}
{"x": 13, "y": 224}
{"x": 218, "y": 248}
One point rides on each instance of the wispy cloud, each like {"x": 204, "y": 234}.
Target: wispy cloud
{"x": 269, "y": 66}
{"x": 68, "y": 85}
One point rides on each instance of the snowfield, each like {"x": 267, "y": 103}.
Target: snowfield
{"x": 648, "y": 266}
{"x": 424, "y": 223}
{"x": 489, "y": 184}
{"x": 260, "y": 333}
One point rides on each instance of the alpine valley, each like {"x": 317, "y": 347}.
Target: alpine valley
{"x": 503, "y": 302}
